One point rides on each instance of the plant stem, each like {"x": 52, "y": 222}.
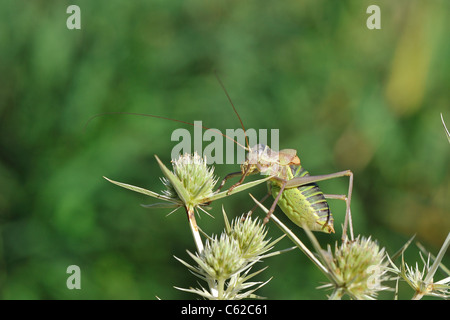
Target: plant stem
{"x": 337, "y": 294}
{"x": 417, "y": 296}
{"x": 326, "y": 269}
{"x": 194, "y": 229}
{"x": 437, "y": 261}
{"x": 220, "y": 288}
{"x": 199, "y": 244}
{"x": 299, "y": 243}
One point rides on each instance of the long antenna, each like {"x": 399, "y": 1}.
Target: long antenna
{"x": 158, "y": 117}
{"x": 235, "y": 111}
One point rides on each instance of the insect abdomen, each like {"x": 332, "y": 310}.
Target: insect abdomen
{"x": 305, "y": 204}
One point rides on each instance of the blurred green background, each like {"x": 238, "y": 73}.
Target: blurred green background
{"x": 344, "y": 96}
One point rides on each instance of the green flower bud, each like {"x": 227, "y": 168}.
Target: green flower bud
{"x": 196, "y": 177}
{"x": 358, "y": 268}
{"x": 250, "y": 236}
{"x": 222, "y": 257}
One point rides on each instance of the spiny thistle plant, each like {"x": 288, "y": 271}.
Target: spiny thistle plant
{"x": 226, "y": 261}
{"x": 357, "y": 268}
{"x": 190, "y": 185}
{"x": 229, "y": 258}
{"x": 421, "y": 280}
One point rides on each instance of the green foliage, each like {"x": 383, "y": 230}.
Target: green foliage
{"x": 344, "y": 96}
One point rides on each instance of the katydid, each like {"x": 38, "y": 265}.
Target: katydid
{"x": 292, "y": 187}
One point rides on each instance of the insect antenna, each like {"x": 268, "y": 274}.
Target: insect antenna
{"x": 235, "y": 111}
{"x": 158, "y": 117}
{"x": 136, "y": 114}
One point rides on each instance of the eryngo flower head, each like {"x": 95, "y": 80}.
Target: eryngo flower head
{"x": 422, "y": 286}
{"x": 250, "y": 235}
{"x": 226, "y": 261}
{"x": 421, "y": 280}
{"x": 358, "y": 268}
{"x": 222, "y": 257}
{"x": 189, "y": 185}
{"x": 197, "y": 179}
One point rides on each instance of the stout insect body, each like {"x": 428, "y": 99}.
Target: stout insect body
{"x": 292, "y": 187}
{"x": 306, "y": 204}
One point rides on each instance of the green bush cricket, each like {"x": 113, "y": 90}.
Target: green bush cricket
{"x": 292, "y": 187}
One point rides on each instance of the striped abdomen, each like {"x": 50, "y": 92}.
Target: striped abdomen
{"x": 305, "y": 204}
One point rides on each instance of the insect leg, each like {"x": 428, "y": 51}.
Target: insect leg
{"x": 300, "y": 181}
{"x": 241, "y": 180}
{"x": 344, "y": 198}
{"x": 256, "y": 206}
{"x": 348, "y": 214}
{"x": 274, "y": 204}
{"x": 228, "y": 176}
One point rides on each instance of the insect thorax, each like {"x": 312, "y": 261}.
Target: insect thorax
{"x": 261, "y": 159}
